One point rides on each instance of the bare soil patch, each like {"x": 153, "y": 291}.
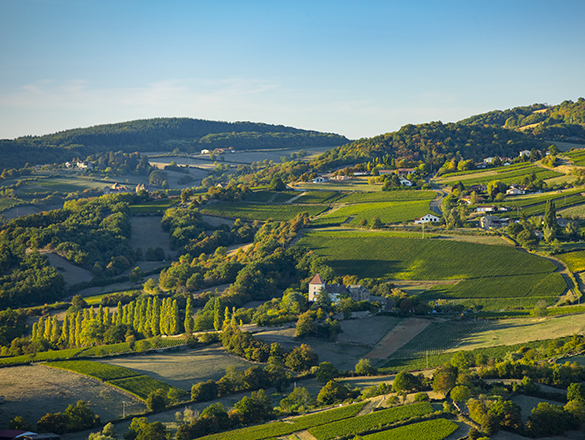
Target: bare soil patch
{"x": 216, "y": 221}
{"x": 73, "y": 274}
{"x": 397, "y": 337}
{"x": 182, "y": 369}
{"x": 32, "y": 391}
{"x": 147, "y": 232}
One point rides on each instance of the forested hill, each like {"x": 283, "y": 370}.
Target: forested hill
{"x": 160, "y": 134}
{"x": 565, "y": 121}
{"x": 433, "y": 143}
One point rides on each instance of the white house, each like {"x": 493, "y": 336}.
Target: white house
{"x": 515, "y": 191}
{"x": 205, "y": 151}
{"x": 315, "y": 285}
{"x": 405, "y": 182}
{"x": 486, "y": 208}
{"x": 524, "y": 153}
{"x": 320, "y": 179}
{"x": 426, "y": 219}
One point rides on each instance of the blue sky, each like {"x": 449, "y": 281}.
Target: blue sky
{"x": 354, "y": 68}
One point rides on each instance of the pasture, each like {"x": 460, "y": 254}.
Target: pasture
{"x": 147, "y": 232}
{"x": 181, "y": 369}
{"x": 33, "y": 391}
{"x": 251, "y": 211}
{"x": 379, "y": 256}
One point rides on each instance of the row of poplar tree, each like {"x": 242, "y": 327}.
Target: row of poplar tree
{"x": 144, "y": 317}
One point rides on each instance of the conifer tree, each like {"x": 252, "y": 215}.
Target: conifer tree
{"x": 175, "y": 323}
{"x": 100, "y": 314}
{"x": 217, "y": 314}
{"x": 119, "y": 314}
{"x": 78, "y": 329}
{"x": 35, "y": 331}
{"x": 155, "y": 324}
{"x": 55, "y": 330}
{"x": 107, "y": 321}
{"x": 72, "y": 327}
{"x": 226, "y": 317}
{"x": 91, "y": 313}
{"x": 47, "y": 332}
{"x": 189, "y": 316}
{"x": 64, "y": 339}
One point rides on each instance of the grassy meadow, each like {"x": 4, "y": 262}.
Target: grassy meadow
{"x": 251, "y": 211}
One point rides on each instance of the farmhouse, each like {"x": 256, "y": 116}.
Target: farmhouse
{"x": 205, "y": 151}
{"x": 426, "y": 219}
{"x": 487, "y": 208}
{"x": 335, "y": 291}
{"x": 477, "y": 188}
{"x": 320, "y": 179}
{"x": 515, "y": 191}
{"x": 361, "y": 173}
{"x": 405, "y": 182}
{"x": 404, "y": 171}
{"x": 492, "y": 221}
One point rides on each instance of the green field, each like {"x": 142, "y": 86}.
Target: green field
{"x": 277, "y": 429}
{"x": 574, "y": 260}
{"x": 141, "y": 386}
{"x": 317, "y": 197}
{"x": 437, "y": 429}
{"x": 251, "y": 211}
{"x": 501, "y": 169}
{"x": 506, "y": 175}
{"x": 408, "y": 258}
{"x": 365, "y": 423}
{"x": 153, "y": 206}
{"x": 7, "y": 203}
{"x": 389, "y": 196}
{"x": 577, "y": 157}
{"x": 389, "y": 212}
{"x": 97, "y": 299}
{"x": 103, "y": 372}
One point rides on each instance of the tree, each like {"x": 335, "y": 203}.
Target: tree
{"x": 548, "y": 420}
{"x": 540, "y": 309}
{"x": 404, "y": 382}
{"x": 325, "y": 372}
{"x": 332, "y": 392}
{"x": 364, "y": 367}
{"x": 53, "y": 422}
{"x": 444, "y": 379}
{"x": 204, "y": 391}
{"x": 460, "y": 393}
{"x": 80, "y": 417}
{"x": 301, "y": 358}
{"x": 576, "y": 391}
{"x": 276, "y": 184}
{"x": 189, "y": 316}
{"x": 527, "y": 239}
{"x": 376, "y": 223}
{"x": 157, "y": 400}
{"x": 550, "y": 215}
{"x": 509, "y": 413}
{"x": 21, "y": 424}
{"x": 298, "y": 400}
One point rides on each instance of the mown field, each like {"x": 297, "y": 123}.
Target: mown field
{"x": 389, "y": 196}
{"x": 251, "y": 211}
{"x": 389, "y": 212}
{"x": 379, "y": 256}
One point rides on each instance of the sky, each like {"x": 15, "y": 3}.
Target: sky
{"x": 357, "y": 68}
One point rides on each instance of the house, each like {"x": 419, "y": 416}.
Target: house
{"x": 205, "y": 151}
{"x": 357, "y": 292}
{"x": 320, "y": 179}
{"x": 341, "y": 177}
{"x": 480, "y": 165}
{"x": 405, "y": 182}
{"x": 488, "y": 160}
{"x": 491, "y": 221}
{"x": 382, "y": 172}
{"x": 477, "y": 188}
{"x": 426, "y": 219}
{"x": 487, "y": 208}
{"x": 116, "y": 188}
{"x": 515, "y": 191}
{"x": 361, "y": 173}
{"x": 467, "y": 199}
{"x": 335, "y": 291}
{"x": 524, "y": 153}
{"x": 404, "y": 171}
{"x": 84, "y": 165}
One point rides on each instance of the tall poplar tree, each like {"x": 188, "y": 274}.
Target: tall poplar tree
{"x": 189, "y": 316}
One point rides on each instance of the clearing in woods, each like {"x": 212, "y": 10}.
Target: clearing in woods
{"x": 397, "y": 337}
{"x": 73, "y": 274}
{"x": 33, "y": 391}
{"x": 147, "y": 232}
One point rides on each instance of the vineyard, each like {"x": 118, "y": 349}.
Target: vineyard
{"x": 251, "y": 211}
{"x": 389, "y": 196}
{"x": 141, "y": 386}
{"x": 368, "y": 422}
{"x": 276, "y": 429}
{"x": 317, "y": 197}
{"x": 389, "y": 212}
{"x": 380, "y": 256}
{"x": 437, "y": 429}
{"x": 153, "y": 206}
{"x": 509, "y": 176}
